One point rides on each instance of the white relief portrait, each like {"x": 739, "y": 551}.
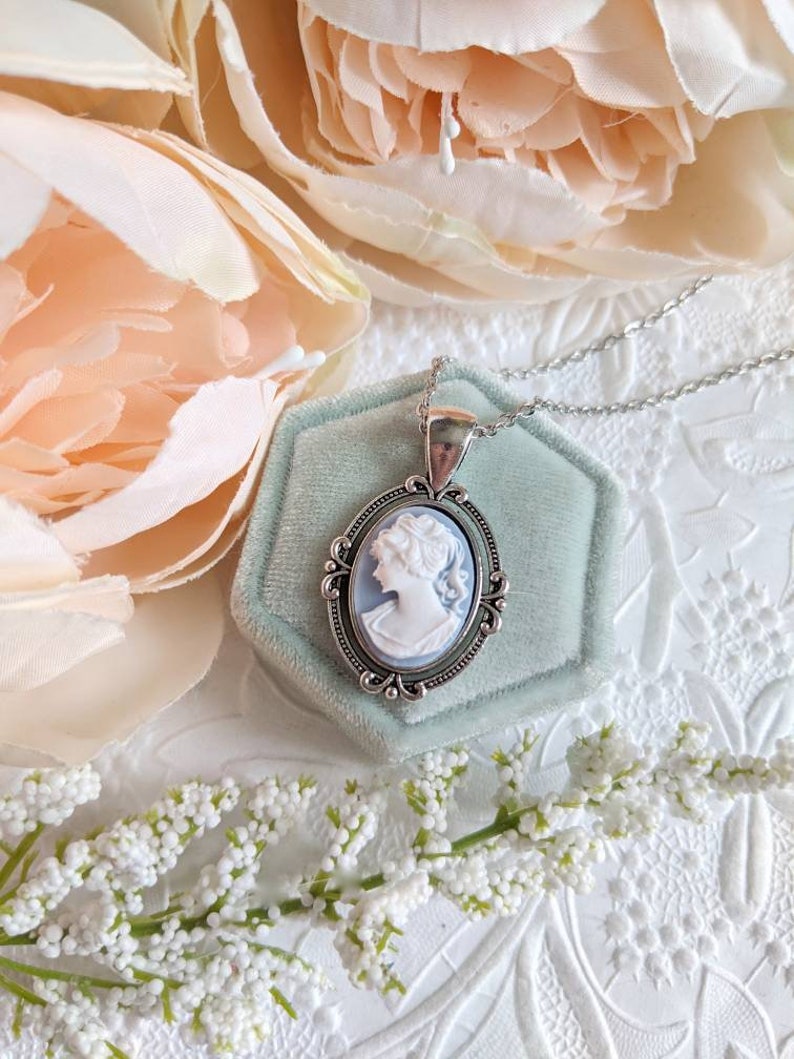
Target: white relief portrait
{"x": 422, "y": 561}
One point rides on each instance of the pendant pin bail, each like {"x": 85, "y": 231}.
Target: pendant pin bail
{"x": 447, "y": 439}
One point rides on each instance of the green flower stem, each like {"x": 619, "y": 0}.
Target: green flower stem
{"x": 20, "y": 852}
{"x": 59, "y": 976}
{"x": 19, "y": 1012}
{"x": 497, "y": 827}
{"x": 115, "y": 1051}
{"x": 144, "y": 926}
{"x": 145, "y": 976}
{"x": 17, "y": 940}
{"x": 282, "y": 1002}
{"x": 21, "y": 992}
{"x": 500, "y": 825}
{"x": 168, "y": 1012}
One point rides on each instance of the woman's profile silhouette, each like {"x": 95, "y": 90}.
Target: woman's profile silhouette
{"x": 421, "y": 560}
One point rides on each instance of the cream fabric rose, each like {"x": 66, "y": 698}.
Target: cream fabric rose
{"x": 153, "y": 306}
{"x": 601, "y": 141}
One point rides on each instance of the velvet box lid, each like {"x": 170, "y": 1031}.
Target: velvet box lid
{"x": 555, "y": 513}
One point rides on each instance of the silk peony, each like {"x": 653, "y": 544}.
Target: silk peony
{"x": 154, "y": 308}
{"x": 599, "y": 141}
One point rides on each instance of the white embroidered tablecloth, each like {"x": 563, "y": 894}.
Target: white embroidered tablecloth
{"x": 686, "y": 946}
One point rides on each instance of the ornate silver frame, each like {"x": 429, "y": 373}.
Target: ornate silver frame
{"x": 483, "y": 621}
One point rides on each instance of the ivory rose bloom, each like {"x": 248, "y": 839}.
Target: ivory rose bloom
{"x": 153, "y": 306}
{"x": 597, "y": 140}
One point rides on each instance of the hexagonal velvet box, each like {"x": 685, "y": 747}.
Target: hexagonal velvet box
{"x": 555, "y": 513}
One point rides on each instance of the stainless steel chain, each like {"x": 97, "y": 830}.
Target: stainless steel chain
{"x": 636, "y": 404}
{"x": 603, "y": 344}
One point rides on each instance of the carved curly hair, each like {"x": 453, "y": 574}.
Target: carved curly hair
{"x": 427, "y": 549}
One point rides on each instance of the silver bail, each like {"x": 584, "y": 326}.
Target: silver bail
{"x": 447, "y": 439}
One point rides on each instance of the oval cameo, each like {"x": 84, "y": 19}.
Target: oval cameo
{"x": 414, "y": 586}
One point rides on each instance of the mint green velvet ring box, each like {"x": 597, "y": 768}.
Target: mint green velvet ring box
{"x": 555, "y": 513}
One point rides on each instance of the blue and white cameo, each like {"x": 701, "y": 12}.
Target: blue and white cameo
{"x": 413, "y": 587}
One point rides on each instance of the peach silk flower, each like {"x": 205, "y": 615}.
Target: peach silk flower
{"x": 153, "y": 302}
{"x": 598, "y": 141}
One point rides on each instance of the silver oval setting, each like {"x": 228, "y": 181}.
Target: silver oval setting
{"x": 414, "y": 589}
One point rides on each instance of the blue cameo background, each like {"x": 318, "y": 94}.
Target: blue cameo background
{"x": 428, "y": 568}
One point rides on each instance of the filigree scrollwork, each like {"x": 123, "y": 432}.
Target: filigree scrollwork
{"x": 494, "y": 603}
{"x": 336, "y": 567}
{"x": 392, "y": 686}
{"x": 417, "y": 482}
{"x": 452, "y": 491}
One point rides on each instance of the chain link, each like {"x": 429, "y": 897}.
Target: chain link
{"x": 437, "y": 366}
{"x": 603, "y": 344}
{"x": 636, "y": 404}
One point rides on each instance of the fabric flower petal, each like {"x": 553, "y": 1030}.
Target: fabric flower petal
{"x": 81, "y": 61}
{"x": 184, "y": 235}
{"x": 168, "y": 646}
{"x": 60, "y": 40}
{"x": 728, "y": 59}
{"x": 193, "y": 539}
{"x": 189, "y": 466}
{"x": 30, "y": 197}
{"x": 49, "y": 619}
{"x": 441, "y": 25}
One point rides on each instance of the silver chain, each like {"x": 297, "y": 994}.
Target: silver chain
{"x": 603, "y": 344}
{"x": 636, "y": 404}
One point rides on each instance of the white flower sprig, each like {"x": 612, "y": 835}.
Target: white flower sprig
{"x": 224, "y": 887}
{"x": 208, "y": 960}
{"x": 439, "y": 772}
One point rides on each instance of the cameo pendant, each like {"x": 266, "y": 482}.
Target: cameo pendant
{"x": 414, "y": 585}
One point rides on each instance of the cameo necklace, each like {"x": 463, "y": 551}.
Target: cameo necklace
{"x": 414, "y": 585}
